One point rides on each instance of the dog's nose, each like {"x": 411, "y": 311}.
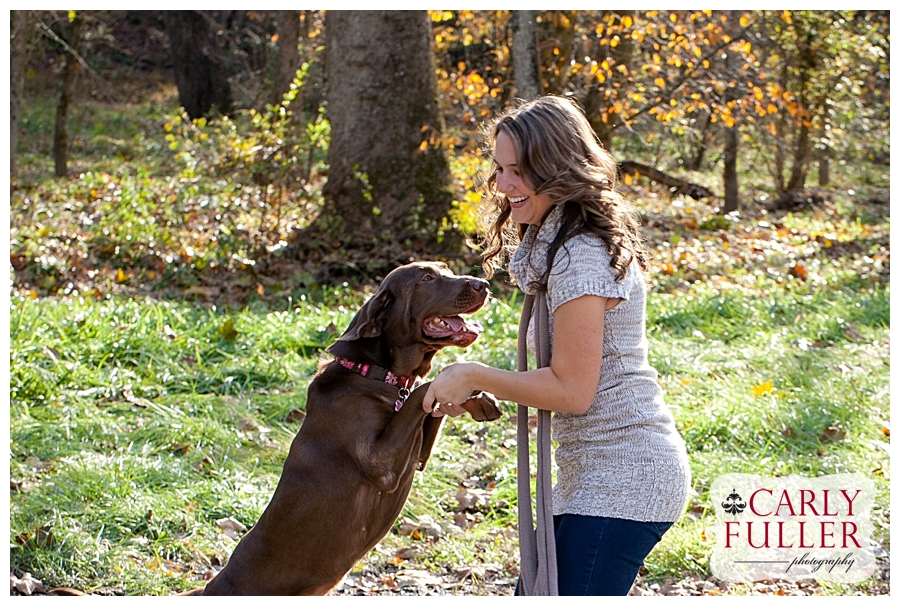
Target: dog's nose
{"x": 479, "y": 285}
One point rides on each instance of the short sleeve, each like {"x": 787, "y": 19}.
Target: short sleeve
{"x": 582, "y": 267}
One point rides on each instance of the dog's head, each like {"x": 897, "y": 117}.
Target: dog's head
{"x": 415, "y": 313}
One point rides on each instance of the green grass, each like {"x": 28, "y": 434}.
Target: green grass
{"x": 135, "y": 424}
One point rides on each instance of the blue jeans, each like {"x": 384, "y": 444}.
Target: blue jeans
{"x": 601, "y": 556}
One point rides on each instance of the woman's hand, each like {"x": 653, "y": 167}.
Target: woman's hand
{"x": 453, "y": 386}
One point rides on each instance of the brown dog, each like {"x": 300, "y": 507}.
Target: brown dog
{"x": 351, "y": 465}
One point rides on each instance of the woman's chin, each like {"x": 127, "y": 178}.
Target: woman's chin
{"x": 521, "y": 215}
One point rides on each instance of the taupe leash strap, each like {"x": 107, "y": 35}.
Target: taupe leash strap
{"x": 537, "y": 547}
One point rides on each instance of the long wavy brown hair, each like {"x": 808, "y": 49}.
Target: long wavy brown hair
{"x": 559, "y": 154}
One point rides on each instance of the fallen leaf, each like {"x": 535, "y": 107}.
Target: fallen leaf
{"x": 406, "y": 553}
{"x": 133, "y": 399}
{"x": 461, "y": 519}
{"x": 295, "y": 416}
{"x": 852, "y": 334}
{"x": 27, "y": 585}
{"x": 43, "y": 536}
{"x": 181, "y": 449}
{"x": 799, "y": 271}
{"x": 19, "y": 485}
{"x": 387, "y": 581}
{"x": 474, "y": 572}
{"x": 207, "y": 292}
{"x": 231, "y": 527}
{"x": 35, "y": 463}
{"x": 762, "y": 388}
{"x": 425, "y": 525}
{"x": 419, "y": 578}
{"x": 227, "y": 330}
{"x": 833, "y": 433}
{"x": 470, "y": 498}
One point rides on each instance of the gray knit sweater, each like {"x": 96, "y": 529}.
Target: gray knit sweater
{"x": 623, "y": 458}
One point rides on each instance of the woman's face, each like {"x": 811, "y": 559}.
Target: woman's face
{"x": 527, "y": 207}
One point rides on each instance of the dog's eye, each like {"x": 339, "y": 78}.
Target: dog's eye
{"x": 427, "y": 278}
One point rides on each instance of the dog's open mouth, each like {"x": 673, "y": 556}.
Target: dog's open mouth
{"x": 454, "y": 329}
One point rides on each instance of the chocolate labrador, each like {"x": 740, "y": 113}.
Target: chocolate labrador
{"x": 351, "y": 465}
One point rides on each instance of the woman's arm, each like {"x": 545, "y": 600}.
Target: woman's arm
{"x": 567, "y": 385}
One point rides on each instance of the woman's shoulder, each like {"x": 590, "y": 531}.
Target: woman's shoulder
{"x": 581, "y": 251}
{"x": 583, "y": 266}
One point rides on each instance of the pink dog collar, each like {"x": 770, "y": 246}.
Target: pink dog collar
{"x": 370, "y": 371}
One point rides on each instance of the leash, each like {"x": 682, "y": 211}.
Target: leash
{"x": 370, "y": 371}
{"x": 537, "y": 546}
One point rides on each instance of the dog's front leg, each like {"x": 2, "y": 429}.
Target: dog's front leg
{"x": 386, "y": 456}
{"x": 430, "y": 430}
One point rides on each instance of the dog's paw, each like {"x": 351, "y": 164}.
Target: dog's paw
{"x": 483, "y": 407}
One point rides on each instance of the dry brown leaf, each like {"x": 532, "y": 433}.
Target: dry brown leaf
{"x": 295, "y": 416}
{"x": 833, "y": 433}
{"x": 27, "y": 585}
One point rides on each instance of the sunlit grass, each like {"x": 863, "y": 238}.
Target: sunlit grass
{"x": 135, "y": 423}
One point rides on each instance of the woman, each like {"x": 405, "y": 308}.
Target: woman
{"x": 622, "y": 470}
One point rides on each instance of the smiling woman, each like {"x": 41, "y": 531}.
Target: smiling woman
{"x": 622, "y": 468}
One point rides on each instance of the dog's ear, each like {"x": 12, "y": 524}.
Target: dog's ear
{"x": 369, "y": 320}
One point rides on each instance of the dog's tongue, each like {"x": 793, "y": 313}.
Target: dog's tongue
{"x": 456, "y": 323}
{"x": 452, "y": 326}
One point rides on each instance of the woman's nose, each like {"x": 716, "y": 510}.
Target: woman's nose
{"x": 503, "y": 183}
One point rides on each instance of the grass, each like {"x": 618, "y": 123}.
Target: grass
{"x": 135, "y": 424}
{"x": 140, "y": 416}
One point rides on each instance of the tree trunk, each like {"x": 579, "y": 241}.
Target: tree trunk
{"x": 824, "y": 167}
{"x": 288, "y": 59}
{"x": 199, "y": 67}
{"x": 623, "y": 53}
{"x": 526, "y": 64}
{"x": 732, "y": 133}
{"x": 696, "y": 160}
{"x": 71, "y": 34}
{"x": 781, "y": 136}
{"x": 800, "y": 163}
{"x": 803, "y": 145}
{"x": 594, "y": 101}
{"x": 388, "y": 179}
{"x": 729, "y": 173}
{"x": 21, "y": 27}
